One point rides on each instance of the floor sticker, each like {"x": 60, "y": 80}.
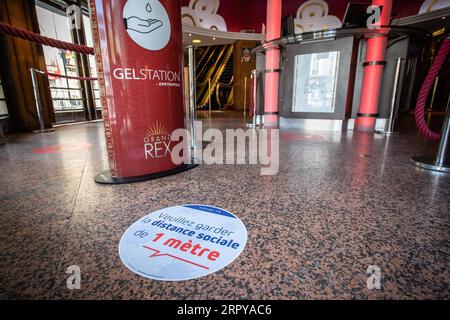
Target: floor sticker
{"x": 183, "y": 242}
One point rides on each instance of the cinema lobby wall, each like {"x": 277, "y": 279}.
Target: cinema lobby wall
{"x": 345, "y": 214}
{"x": 250, "y": 17}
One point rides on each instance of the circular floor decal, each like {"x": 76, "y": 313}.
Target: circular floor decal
{"x": 182, "y": 243}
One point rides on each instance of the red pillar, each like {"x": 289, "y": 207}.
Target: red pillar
{"x": 272, "y": 63}
{"x": 373, "y": 71}
{"x": 140, "y": 63}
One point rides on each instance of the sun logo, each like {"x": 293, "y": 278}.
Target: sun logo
{"x": 157, "y": 132}
{"x": 157, "y": 129}
{"x": 157, "y": 141}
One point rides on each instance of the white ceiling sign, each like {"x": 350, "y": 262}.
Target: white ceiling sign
{"x": 313, "y": 16}
{"x": 203, "y": 14}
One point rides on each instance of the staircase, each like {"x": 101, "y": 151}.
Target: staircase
{"x": 226, "y": 78}
{"x": 215, "y": 65}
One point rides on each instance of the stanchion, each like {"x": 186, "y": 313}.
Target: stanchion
{"x": 209, "y": 95}
{"x": 441, "y": 162}
{"x": 37, "y": 98}
{"x": 254, "y": 76}
{"x": 433, "y": 96}
{"x": 192, "y": 94}
{"x": 392, "y": 114}
{"x": 245, "y": 97}
{"x": 34, "y": 74}
{"x": 255, "y": 89}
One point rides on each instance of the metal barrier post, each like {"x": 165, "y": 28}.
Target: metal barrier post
{"x": 392, "y": 115}
{"x": 254, "y": 76}
{"x": 255, "y": 89}
{"x": 444, "y": 145}
{"x": 441, "y": 163}
{"x": 37, "y": 98}
{"x": 245, "y": 97}
{"x": 433, "y": 96}
{"x": 192, "y": 94}
{"x": 209, "y": 94}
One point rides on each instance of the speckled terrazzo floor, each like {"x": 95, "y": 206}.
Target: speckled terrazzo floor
{"x": 340, "y": 203}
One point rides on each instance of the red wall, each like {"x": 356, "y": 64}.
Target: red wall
{"x": 251, "y": 14}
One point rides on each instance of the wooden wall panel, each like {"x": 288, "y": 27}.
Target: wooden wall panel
{"x": 17, "y": 57}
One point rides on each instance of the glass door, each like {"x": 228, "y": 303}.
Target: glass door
{"x": 315, "y": 79}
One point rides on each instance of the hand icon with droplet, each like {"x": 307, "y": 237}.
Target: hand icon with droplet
{"x": 143, "y": 25}
{"x": 147, "y": 23}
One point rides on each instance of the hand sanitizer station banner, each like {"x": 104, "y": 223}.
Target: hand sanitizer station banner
{"x": 138, "y": 45}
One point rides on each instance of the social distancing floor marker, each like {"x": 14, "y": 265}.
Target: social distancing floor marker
{"x": 183, "y": 242}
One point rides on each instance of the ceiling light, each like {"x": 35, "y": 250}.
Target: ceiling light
{"x": 196, "y": 41}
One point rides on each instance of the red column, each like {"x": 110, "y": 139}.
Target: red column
{"x": 140, "y": 62}
{"x": 272, "y": 63}
{"x": 373, "y": 71}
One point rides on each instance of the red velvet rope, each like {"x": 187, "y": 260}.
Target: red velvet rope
{"x": 37, "y": 38}
{"x": 424, "y": 92}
